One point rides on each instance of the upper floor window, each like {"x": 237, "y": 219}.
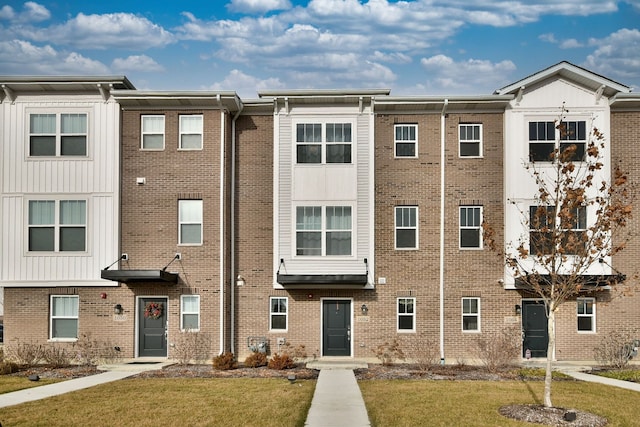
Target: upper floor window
{"x": 57, "y": 225}
{"x": 406, "y": 141}
{"x": 190, "y": 312}
{"x": 544, "y": 135}
{"x": 471, "y": 314}
{"x": 570, "y": 228}
{"x": 63, "y": 317}
{"x": 191, "y": 132}
{"x": 586, "y": 314}
{"x": 406, "y": 314}
{"x": 329, "y": 235}
{"x": 190, "y": 222}
{"x": 406, "y": 226}
{"x": 62, "y": 134}
{"x": 470, "y": 140}
{"x": 323, "y": 143}
{"x": 470, "y": 227}
{"x": 152, "y": 132}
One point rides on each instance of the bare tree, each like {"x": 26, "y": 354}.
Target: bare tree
{"x": 564, "y": 251}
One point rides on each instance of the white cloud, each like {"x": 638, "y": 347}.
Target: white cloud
{"x": 32, "y": 12}
{"x": 570, "y": 44}
{"x": 258, "y": 6}
{"x": 245, "y": 85}
{"x": 7, "y": 12}
{"x": 548, "y": 37}
{"x": 136, "y": 63}
{"x": 395, "y": 57}
{"x": 616, "y": 56}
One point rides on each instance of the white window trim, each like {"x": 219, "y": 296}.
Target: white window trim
{"x": 478, "y": 316}
{"x": 592, "y": 316}
{"x": 324, "y": 121}
{"x": 58, "y": 112}
{"x": 183, "y": 312}
{"x": 143, "y": 133}
{"x": 324, "y": 230}
{"x": 57, "y": 225}
{"x": 395, "y": 141}
{"x": 556, "y": 141}
{"x": 201, "y": 223}
{"x": 51, "y": 317}
{"x": 479, "y": 228}
{"x": 286, "y": 315}
{"x": 412, "y": 315}
{"x": 181, "y": 132}
{"x": 395, "y": 229}
{"x": 479, "y": 141}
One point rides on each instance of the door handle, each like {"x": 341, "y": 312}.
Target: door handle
{"x": 349, "y": 333}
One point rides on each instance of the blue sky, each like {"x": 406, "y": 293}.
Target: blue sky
{"x": 413, "y": 47}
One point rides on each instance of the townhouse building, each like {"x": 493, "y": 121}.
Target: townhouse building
{"x": 337, "y": 220}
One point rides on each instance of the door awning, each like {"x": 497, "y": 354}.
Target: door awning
{"x": 139, "y": 276}
{"x": 588, "y": 282}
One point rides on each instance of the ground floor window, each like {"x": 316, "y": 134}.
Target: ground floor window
{"x": 406, "y": 314}
{"x": 586, "y": 314}
{"x": 278, "y": 313}
{"x": 190, "y": 312}
{"x": 471, "y": 314}
{"x": 64, "y": 317}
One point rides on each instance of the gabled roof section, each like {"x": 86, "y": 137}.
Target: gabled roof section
{"x": 13, "y": 86}
{"x": 145, "y": 99}
{"x": 564, "y": 69}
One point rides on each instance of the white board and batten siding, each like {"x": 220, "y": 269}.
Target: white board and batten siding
{"x": 323, "y": 185}
{"x": 94, "y": 178}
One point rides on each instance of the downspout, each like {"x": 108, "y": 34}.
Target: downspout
{"x": 442, "y": 217}
{"x": 232, "y": 292}
{"x": 222, "y": 220}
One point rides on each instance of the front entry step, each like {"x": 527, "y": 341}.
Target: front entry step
{"x": 337, "y": 363}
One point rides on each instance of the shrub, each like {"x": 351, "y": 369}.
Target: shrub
{"x": 388, "y": 353}
{"x": 424, "y": 353}
{"x": 28, "y": 354}
{"x": 7, "y": 367}
{"x": 296, "y": 353}
{"x": 225, "y": 361}
{"x": 191, "y": 347}
{"x": 89, "y": 351}
{"x": 280, "y": 361}
{"x": 497, "y": 351}
{"x": 56, "y": 356}
{"x": 614, "y": 349}
{"x": 256, "y": 360}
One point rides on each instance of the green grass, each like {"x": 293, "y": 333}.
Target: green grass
{"x": 162, "y": 401}
{"x": 401, "y": 403}
{"x": 632, "y": 375}
{"x": 11, "y": 383}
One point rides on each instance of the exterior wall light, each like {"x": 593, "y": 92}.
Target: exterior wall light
{"x": 518, "y": 309}
{"x": 240, "y": 281}
{"x": 364, "y": 309}
{"x": 117, "y": 309}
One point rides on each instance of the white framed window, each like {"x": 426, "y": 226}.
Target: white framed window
{"x": 190, "y": 313}
{"x": 470, "y": 140}
{"x": 63, "y": 325}
{"x": 190, "y": 222}
{"x": 324, "y": 231}
{"x": 542, "y": 223}
{"x": 406, "y": 314}
{"x": 278, "y": 313}
{"x": 191, "y": 132}
{"x": 323, "y": 143}
{"x": 405, "y": 141}
{"x": 471, "y": 314}
{"x": 406, "y": 227}
{"x": 58, "y": 134}
{"x": 586, "y": 312}
{"x": 152, "y": 128}
{"x": 544, "y": 135}
{"x": 470, "y": 227}
{"x": 57, "y": 226}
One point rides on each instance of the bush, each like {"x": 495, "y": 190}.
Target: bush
{"x": 297, "y": 353}
{"x": 27, "y": 354}
{"x": 225, "y": 361}
{"x": 280, "y": 361}
{"x": 388, "y": 353}
{"x": 89, "y": 351}
{"x": 56, "y": 356}
{"x": 424, "y": 353}
{"x": 497, "y": 351}
{"x": 7, "y": 367}
{"x": 191, "y": 347}
{"x": 615, "y": 349}
{"x": 256, "y": 360}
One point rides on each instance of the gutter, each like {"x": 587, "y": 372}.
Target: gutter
{"x": 232, "y": 293}
{"x": 442, "y": 218}
{"x": 222, "y": 221}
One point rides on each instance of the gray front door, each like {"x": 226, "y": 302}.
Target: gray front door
{"x": 336, "y": 328}
{"x": 152, "y": 336}
{"x": 534, "y": 327}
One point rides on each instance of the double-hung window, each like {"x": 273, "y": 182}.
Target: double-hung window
{"x": 152, "y": 132}
{"x": 318, "y": 143}
{"x": 278, "y": 313}
{"x": 60, "y": 134}
{"x": 544, "y": 134}
{"x": 323, "y": 230}
{"x": 190, "y": 222}
{"x": 191, "y": 132}
{"x": 470, "y": 227}
{"x": 470, "y": 140}
{"x": 57, "y": 226}
{"x": 405, "y": 141}
{"x": 190, "y": 313}
{"x": 570, "y": 229}
{"x": 574, "y": 133}
{"x": 406, "y": 227}
{"x": 471, "y": 314}
{"x": 406, "y": 314}
{"x": 64, "y": 317}
{"x": 586, "y": 311}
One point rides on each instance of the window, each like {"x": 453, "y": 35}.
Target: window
{"x": 336, "y": 140}
{"x": 406, "y": 314}
{"x": 406, "y": 227}
{"x": 191, "y": 132}
{"x": 471, "y": 314}
{"x": 63, "y": 134}
{"x": 278, "y": 313}
{"x": 190, "y": 222}
{"x": 470, "y": 140}
{"x": 544, "y": 134}
{"x": 543, "y": 222}
{"x": 470, "y": 227}
{"x": 64, "y": 317}
{"x": 586, "y": 314}
{"x": 406, "y": 140}
{"x": 190, "y": 312}
{"x": 57, "y": 225}
{"x": 312, "y": 239}
{"x": 153, "y": 132}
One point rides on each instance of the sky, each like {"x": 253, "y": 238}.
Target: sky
{"x": 412, "y": 47}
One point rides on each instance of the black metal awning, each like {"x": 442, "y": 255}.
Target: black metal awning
{"x": 322, "y": 279}
{"x": 589, "y": 282}
{"x": 138, "y": 276}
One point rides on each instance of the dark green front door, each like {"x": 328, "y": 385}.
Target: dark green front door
{"x": 336, "y": 328}
{"x": 152, "y": 318}
{"x": 534, "y": 328}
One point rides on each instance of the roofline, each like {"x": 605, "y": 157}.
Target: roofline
{"x": 335, "y": 93}
{"x": 229, "y": 99}
{"x": 62, "y": 80}
{"x": 441, "y": 99}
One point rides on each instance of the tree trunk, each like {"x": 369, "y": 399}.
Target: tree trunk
{"x": 551, "y": 326}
